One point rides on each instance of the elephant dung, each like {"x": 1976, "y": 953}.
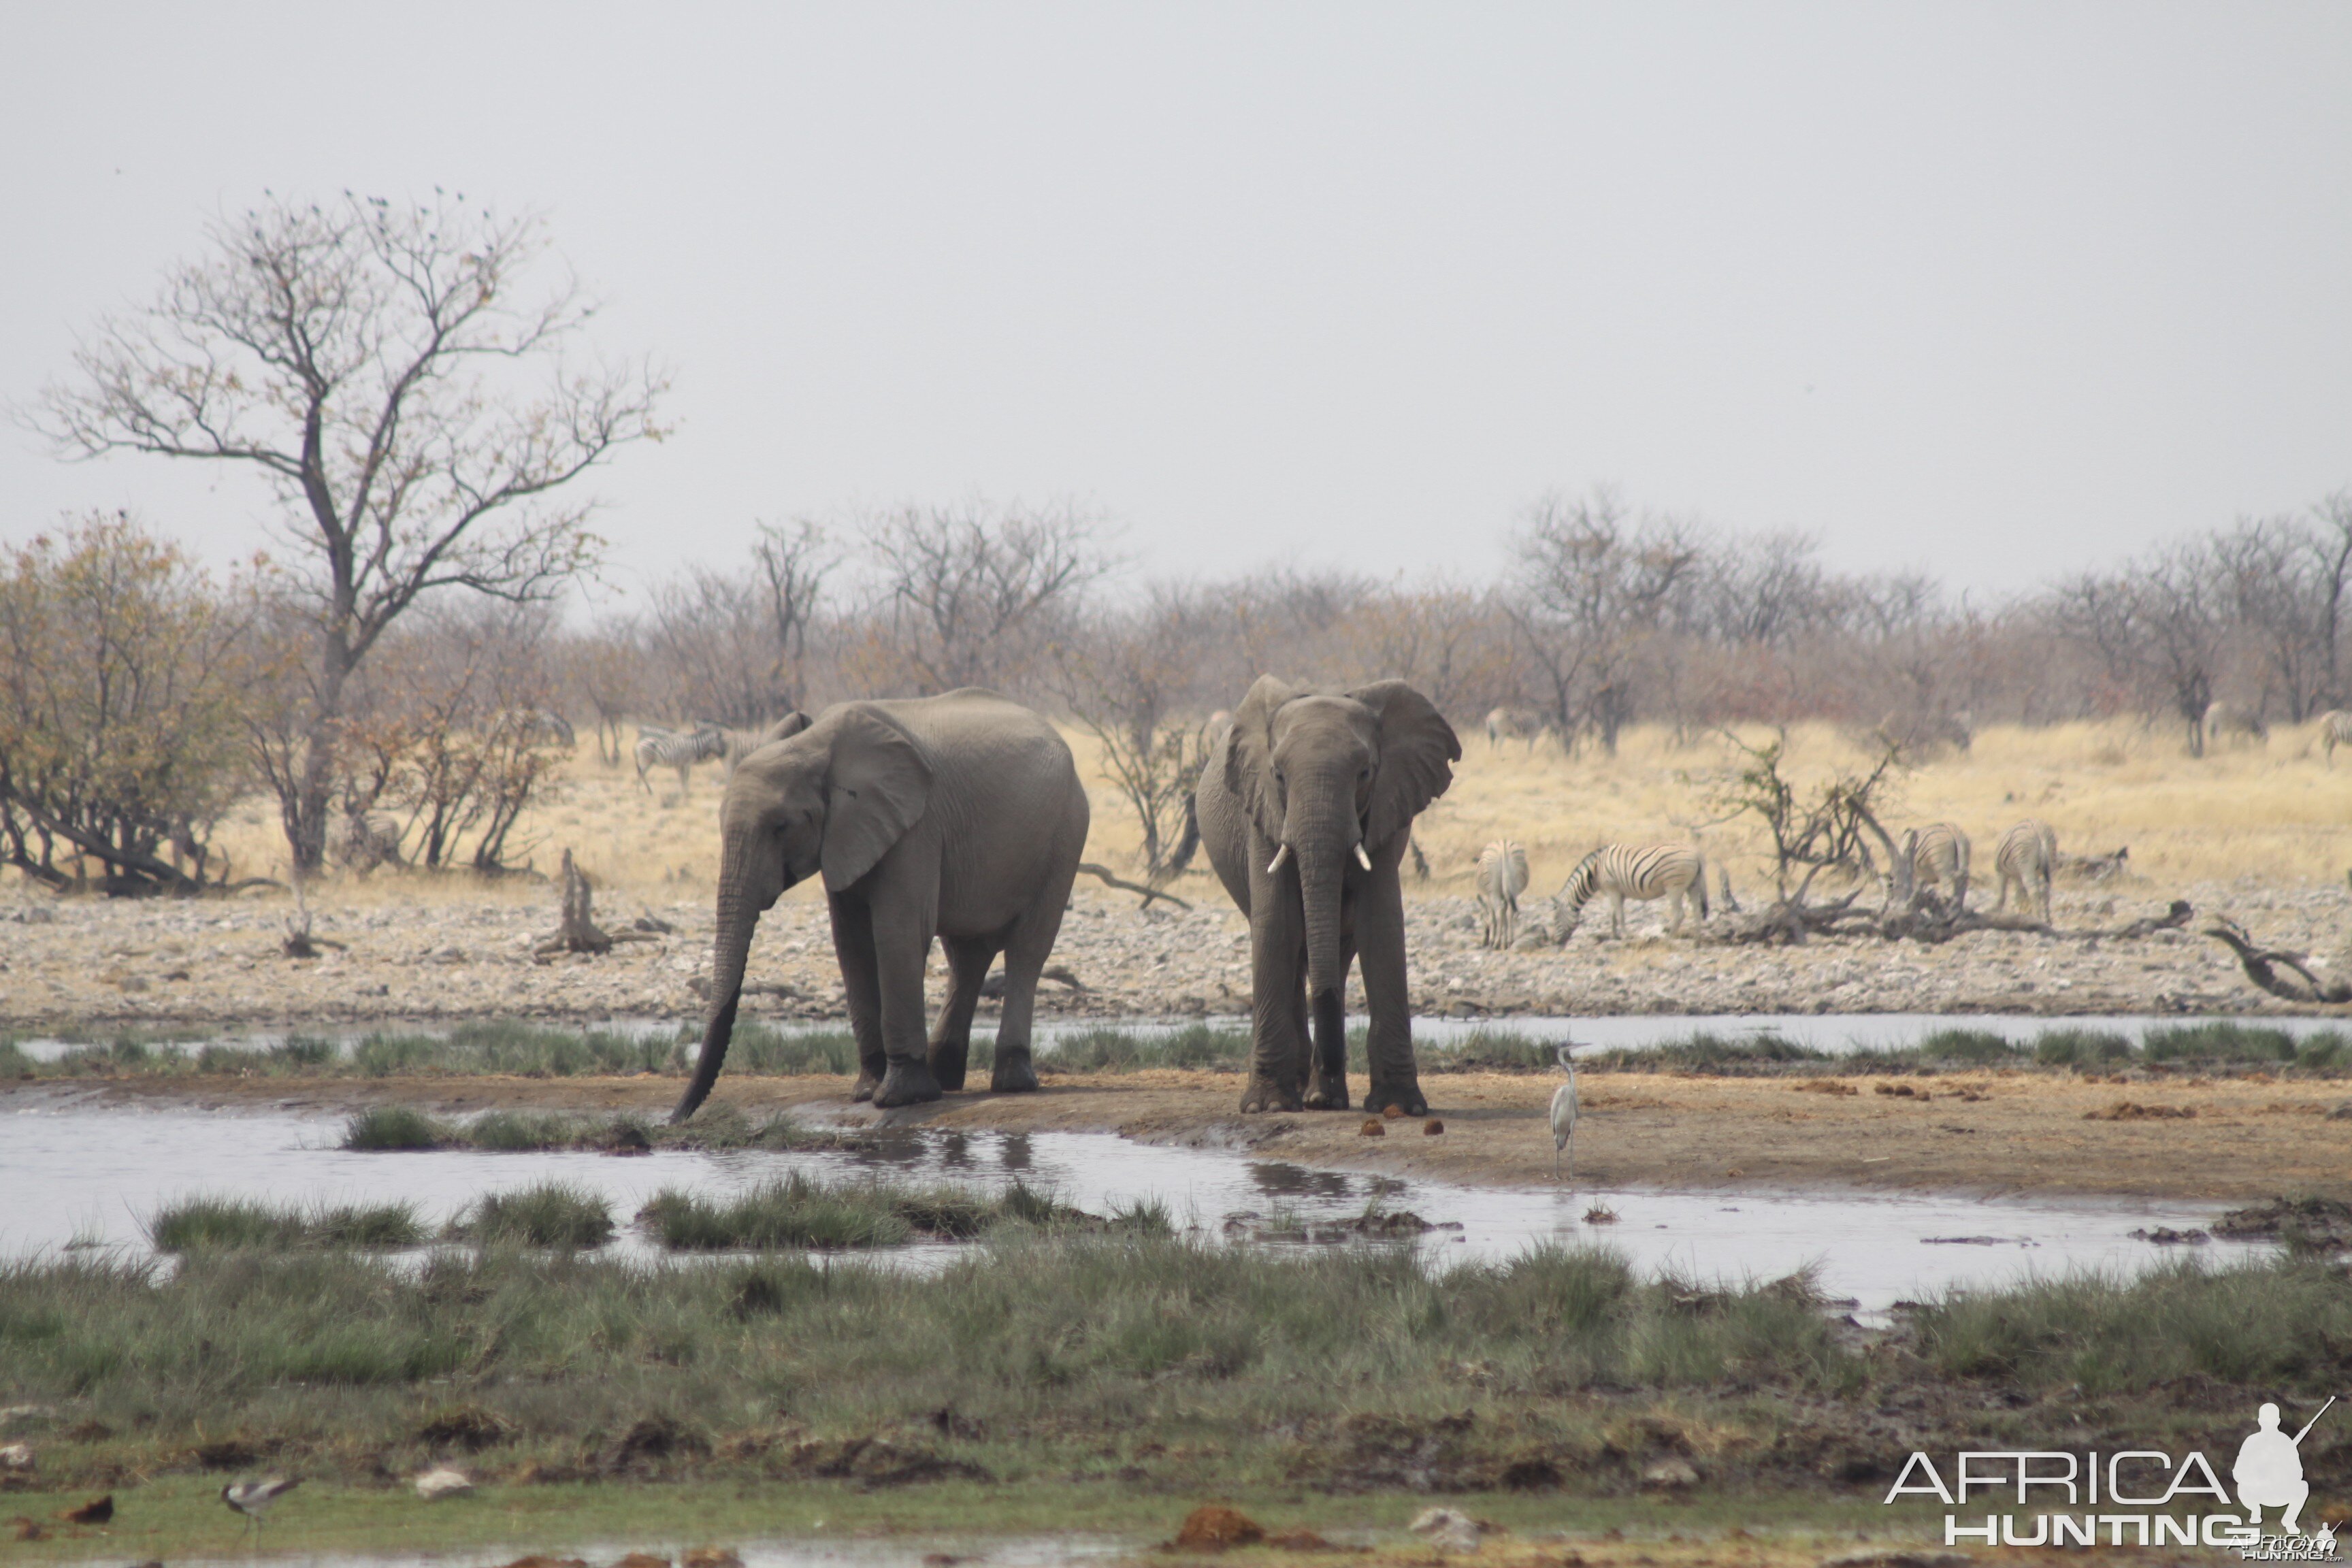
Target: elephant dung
{"x": 1373, "y": 1128}
{"x": 1213, "y": 1527}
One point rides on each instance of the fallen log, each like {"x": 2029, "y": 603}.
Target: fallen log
{"x": 2261, "y": 965}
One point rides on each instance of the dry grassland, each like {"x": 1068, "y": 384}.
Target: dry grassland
{"x": 2272, "y": 813}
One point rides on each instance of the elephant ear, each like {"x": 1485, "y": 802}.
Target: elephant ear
{"x": 878, "y": 787}
{"x": 1418, "y": 749}
{"x": 785, "y": 728}
{"x": 1249, "y": 752}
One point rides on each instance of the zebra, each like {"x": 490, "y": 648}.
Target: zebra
{"x": 535, "y": 726}
{"x": 680, "y": 749}
{"x": 2233, "y": 718}
{"x": 2026, "y": 855}
{"x": 1935, "y": 855}
{"x": 738, "y": 744}
{"x": 1501, "y": 877}
{"x": 2335, "y": 730}
{"x": 1514, "y": 724}
{"x": 1621, "y": 871}
{"x": 366, "y": 839}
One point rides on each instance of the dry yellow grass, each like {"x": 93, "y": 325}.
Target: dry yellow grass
{"x": 2274, "y": 813}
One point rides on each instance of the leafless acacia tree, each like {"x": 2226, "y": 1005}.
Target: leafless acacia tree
{"x": 1130, "y": 679}
{"x": 394, "y": 376}
{"x": 970, "y": 594}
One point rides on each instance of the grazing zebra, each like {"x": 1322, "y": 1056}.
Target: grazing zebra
{"x": 366, "y": 839}
{"x": 2235, "y": 719}
{"x": 536, "y": 725}
{"x": 1935, "y": 855}
{"x": 2335, "y": 730}
{"x": 2026, "y": 855}
{"x": 1514, "y": 724}
{"x": 1501, "y": 877}
{"x": 680, "y": 749}
{"x": 1623, "y": 871}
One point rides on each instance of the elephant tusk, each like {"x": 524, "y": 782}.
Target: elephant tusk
{"x": 1363, "y": 859}
{"x": 1280, "y": 857}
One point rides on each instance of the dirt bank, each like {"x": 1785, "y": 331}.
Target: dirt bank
{"x": 2015, "y": 1132}
{"x": 87, "y": 960}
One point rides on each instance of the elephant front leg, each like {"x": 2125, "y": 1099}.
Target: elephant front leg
{"x": 1277, "y": 1006}
{"x": 853, "y": 944}
{"x": 1380, "y": 927}
{"x": 902, "y": 948}
{"x": 1326, "y": 1084}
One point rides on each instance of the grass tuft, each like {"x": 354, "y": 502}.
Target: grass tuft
{"x": 395, "y": 1127}
{"x": 202, "y": 1222}
{"x": 546, "y": 1214}
{"x": 798, "y": 1210}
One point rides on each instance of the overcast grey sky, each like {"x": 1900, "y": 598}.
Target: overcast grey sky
{"x": 1996, "y": 291}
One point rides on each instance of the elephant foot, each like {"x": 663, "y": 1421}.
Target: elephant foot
{"x": 1265, "y": 1095}
{"x": 1327, "y": 1094}
{"x": 948, "y": 1061}
{"x": 1016, "y": 1073}
{"x": 1406, "y": 1096}
{"x": 906, "y": 1083}
{"x": 863, "y": 1089}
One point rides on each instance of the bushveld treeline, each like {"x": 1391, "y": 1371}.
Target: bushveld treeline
{"x": 139, "y": 696}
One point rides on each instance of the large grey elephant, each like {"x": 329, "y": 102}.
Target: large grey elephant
{"x": 1305, "y": 809}
{"x": 957, "y": 816}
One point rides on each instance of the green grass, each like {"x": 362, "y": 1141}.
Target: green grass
{"x": 1058, "y": 1355}
{"x": 397, "y": 1128}
{"x": 545, "y": 1214}
{"x": 200, "y": 1223}
{"x": 800, "y": 1211}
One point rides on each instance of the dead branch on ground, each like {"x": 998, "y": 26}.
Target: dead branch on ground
{"x": 1091, "y": 870}
{"x": 2261, "y": 965}
{"x": 577, "y": 931}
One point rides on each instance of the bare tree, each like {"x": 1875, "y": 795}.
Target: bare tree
{"x": 793, "y": 563}
{"x": 2157, "y": 627}
{"x": 712, "y": 644}
{"x": 2268, "y": 574}
{"x": 370, "y": 360}
{"x": 1132, "y": 680}
{"x": 968, "y": 593}
{"x": 1593, "y": 586}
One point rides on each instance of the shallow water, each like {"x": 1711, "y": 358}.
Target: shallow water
{"x": 1835, "y": 1032}
{"x": 85, "y": 1176}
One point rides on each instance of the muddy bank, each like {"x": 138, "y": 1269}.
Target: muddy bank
{"x": 89, "y": 961}
{"x": 2171, "y": 1136}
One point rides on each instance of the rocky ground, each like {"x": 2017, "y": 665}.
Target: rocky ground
{"x": 90, "y": 962}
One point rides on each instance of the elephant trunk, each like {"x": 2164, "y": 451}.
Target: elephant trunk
{"x": 1322, "y": 876}
{"x": 738, "y": 912}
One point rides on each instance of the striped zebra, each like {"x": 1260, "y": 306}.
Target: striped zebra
{"x": 738, "y": 744}
{"x": 2027, "y": 857}
{"x": 1621, "y": 871}
{"x": 1935, "y": 855}
{"x": 1514, "y": 724}
{"x": 680, "y": 749}
{"x": 2233, "y": 719}
{"x": 1501, "y": 877}
{"x": 363, "y": 840}
{"x": 2335, "y": 730}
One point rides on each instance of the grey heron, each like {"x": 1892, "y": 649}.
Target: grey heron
{"x": 1564, "y": 1114}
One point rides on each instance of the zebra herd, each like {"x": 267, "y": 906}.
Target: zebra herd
{"x": 1936, "y": 857}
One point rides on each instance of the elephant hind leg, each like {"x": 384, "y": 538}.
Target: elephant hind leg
{"x": 950, "y": 1046}
{"x": 1027, "y": 943}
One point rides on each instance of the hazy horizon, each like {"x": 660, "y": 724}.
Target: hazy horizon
{"x": 1993, "y": 294}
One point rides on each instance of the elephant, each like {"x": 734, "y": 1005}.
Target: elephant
{"x": 958, "y": 816}
{"x": 1305, "y": 808}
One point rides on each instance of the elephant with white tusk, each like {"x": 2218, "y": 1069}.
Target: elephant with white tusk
{"x": 1305, "y": 807}
{"x": 957, "y": 816}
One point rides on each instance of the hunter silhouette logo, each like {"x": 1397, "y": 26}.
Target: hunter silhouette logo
{"x": 2269, "y": 1471}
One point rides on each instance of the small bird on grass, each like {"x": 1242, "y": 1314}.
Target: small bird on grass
{"x": 1564, "y": 1114}
{"x": 252, "y": 1498}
